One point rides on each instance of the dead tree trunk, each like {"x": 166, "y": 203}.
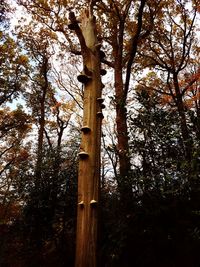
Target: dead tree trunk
{"x": 89, "y": 164}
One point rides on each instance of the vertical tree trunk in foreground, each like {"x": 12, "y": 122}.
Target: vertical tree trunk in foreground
{"x": 89, "y": 164}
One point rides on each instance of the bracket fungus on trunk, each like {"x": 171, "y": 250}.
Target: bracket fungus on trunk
{"x": 100, "y": 115}
{"x": 81, "y": 204}
{"x": 103, "y": 72}
{"x": 100, "y": 100}
{"x": 83, "y": 155}
{"x": 83, "y": 78}
{"x": 85, "y": 129}
{"x": 102, "y": 85}
{"x": 93, "y": 203}
{"x": 102, "y": 54}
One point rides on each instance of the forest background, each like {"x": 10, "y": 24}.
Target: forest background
{"x": 150, "y": 162}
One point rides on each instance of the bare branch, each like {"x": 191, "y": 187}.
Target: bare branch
{"x": 134, "y": 41}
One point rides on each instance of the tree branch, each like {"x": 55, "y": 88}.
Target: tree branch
{"x": 134, "y": 41}
{"x": 77, "y": 29}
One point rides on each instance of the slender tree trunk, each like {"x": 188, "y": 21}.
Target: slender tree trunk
{"x": 41, "y": 120}
{"x": 184, "y": 128}
{"x": 196, "y": 120}
{"x": 124, "y": 184}
{"x": 121, "y": 90}
{"x": 38, "y": 167}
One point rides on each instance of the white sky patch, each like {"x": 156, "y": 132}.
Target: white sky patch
{"x": 18, "y": 13}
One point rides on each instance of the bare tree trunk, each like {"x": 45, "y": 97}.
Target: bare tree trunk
{"x": 121, "y": 90}
{"x": 89, "y": 164}
{"x": 123, "y": 180}
{"x": 41, "y": 121}
{"x": 183, "y": 123}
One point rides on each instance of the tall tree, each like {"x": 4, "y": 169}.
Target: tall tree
{"x": 122, "y": 27}
{"x": 171, "y": 46}
{"x": 14, "y": 128}
{"x": 122, "y": 34}
{"x": 89, "y": 165}
{"x": 13, "y": 63}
